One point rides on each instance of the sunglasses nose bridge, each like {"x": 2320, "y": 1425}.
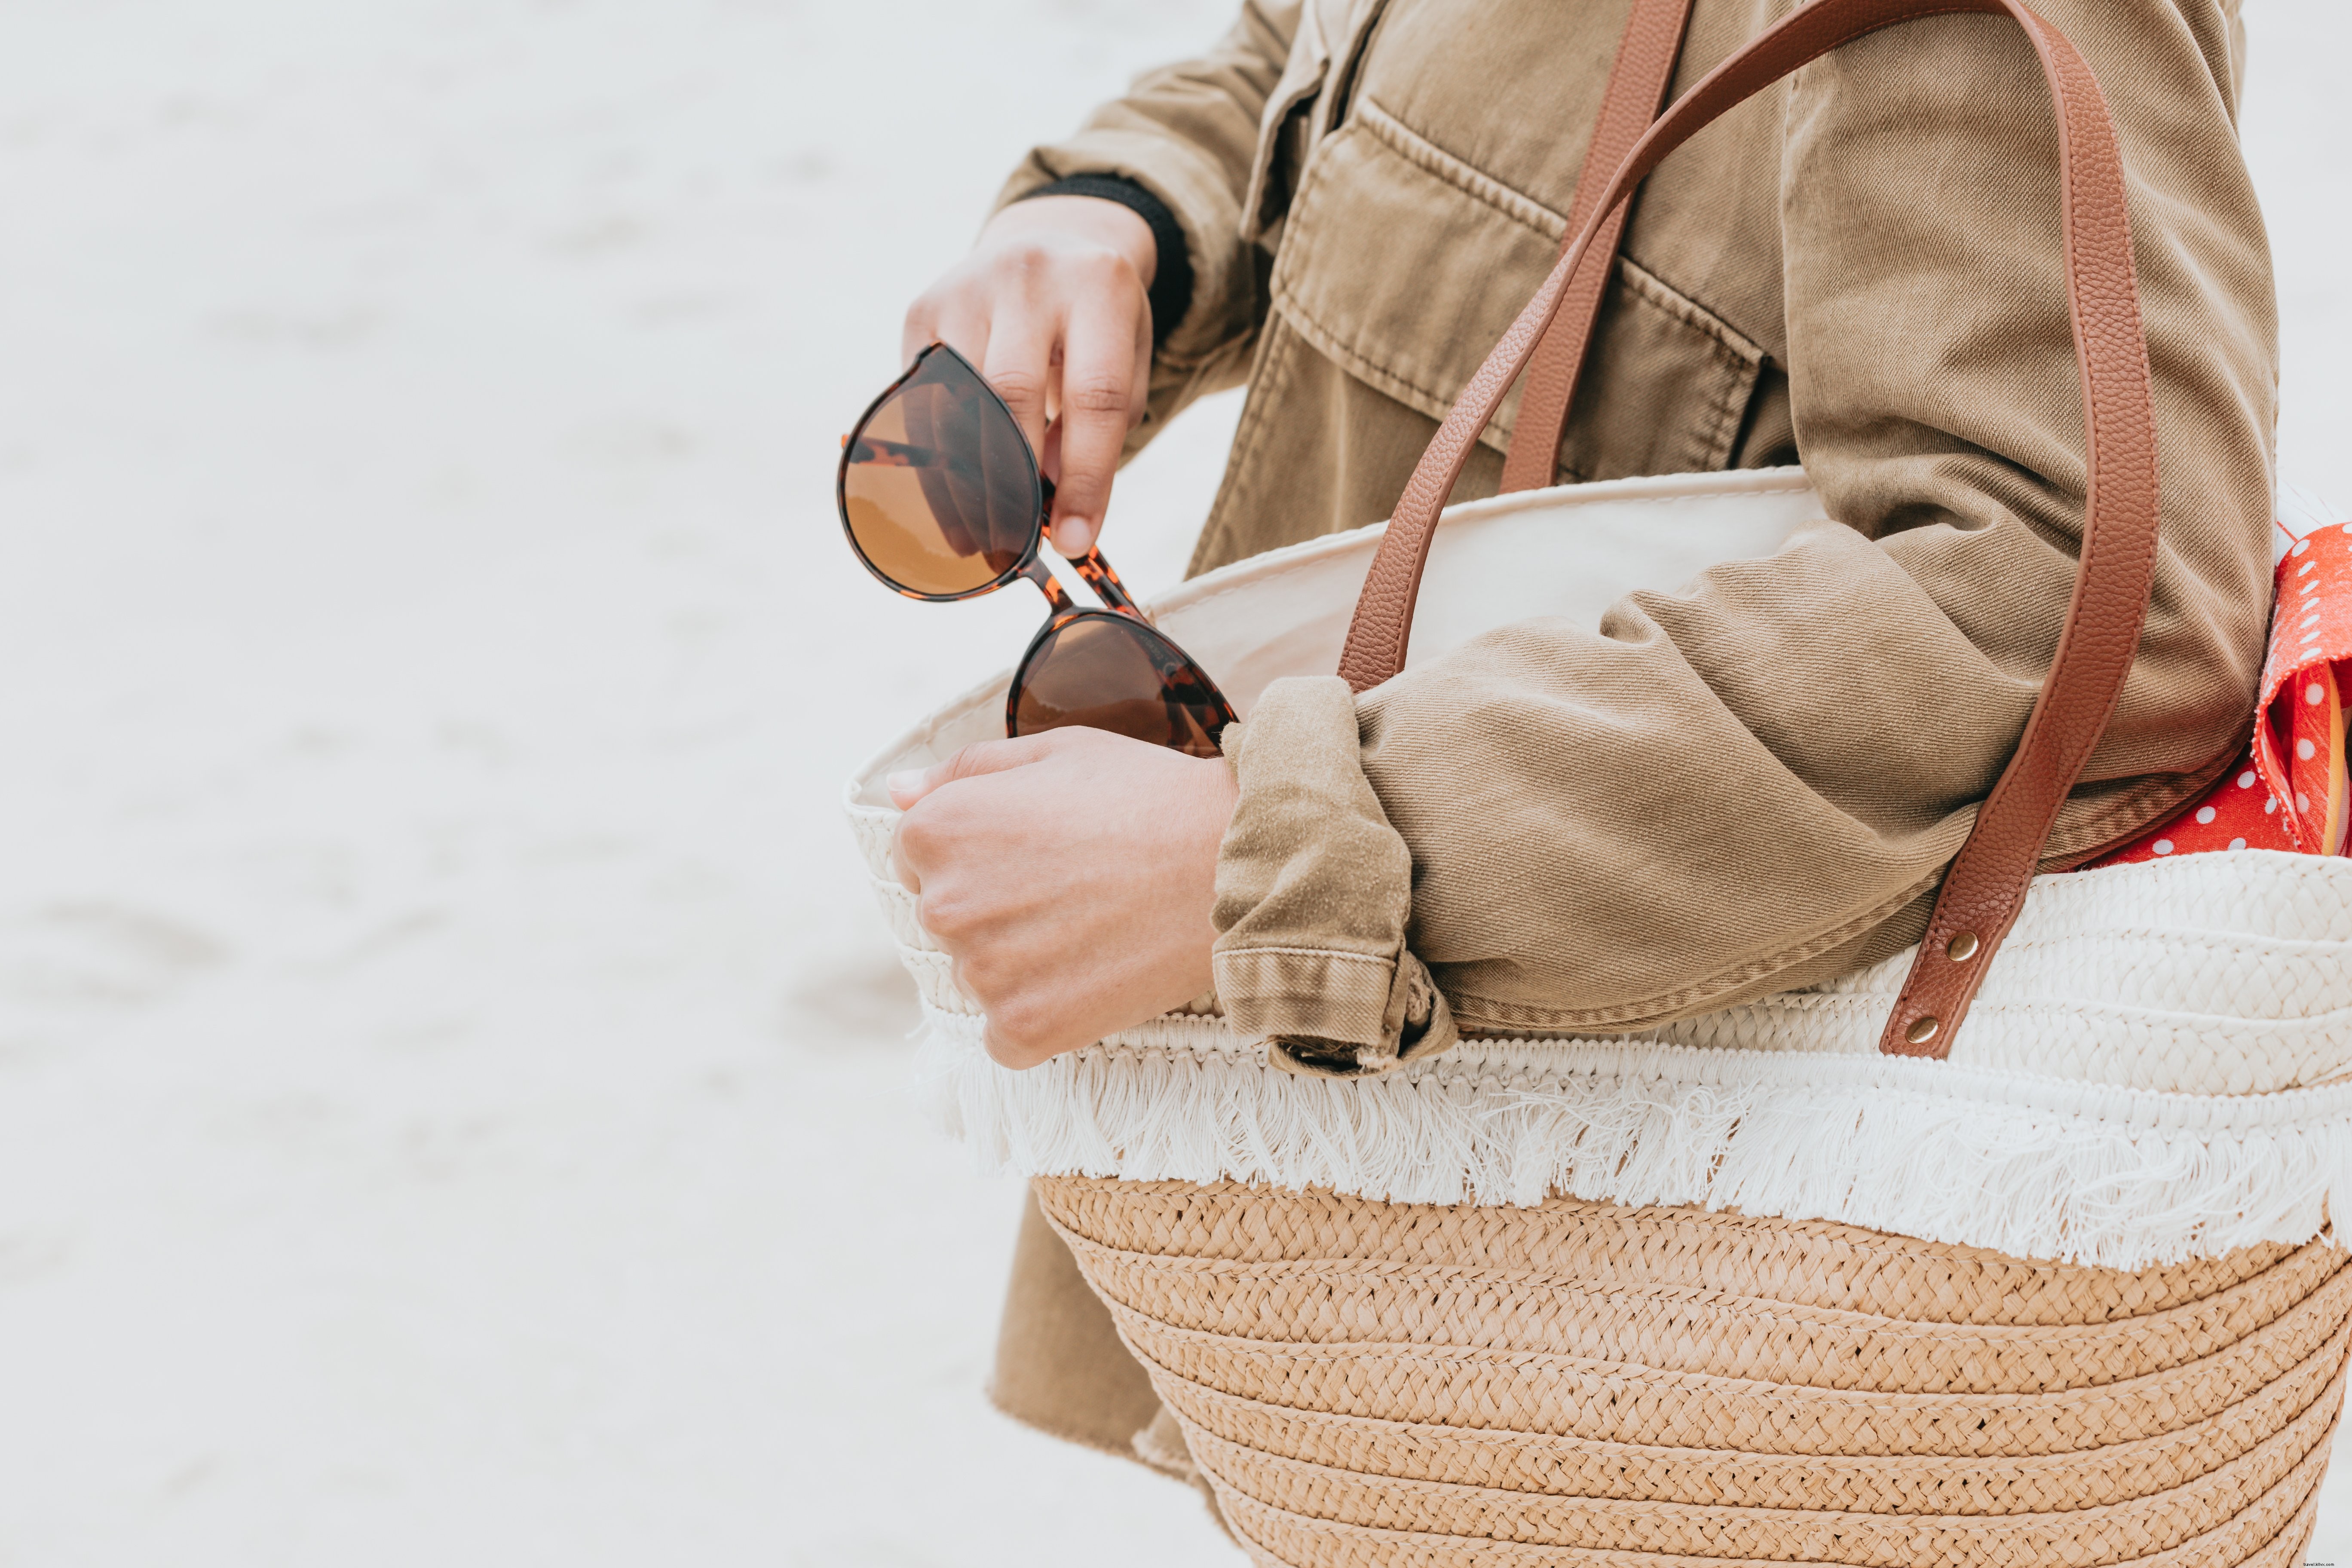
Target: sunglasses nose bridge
{"x": 1057, "y": 598}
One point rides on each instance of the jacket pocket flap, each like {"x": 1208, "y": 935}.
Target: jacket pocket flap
{"x": 1404, "y": 265}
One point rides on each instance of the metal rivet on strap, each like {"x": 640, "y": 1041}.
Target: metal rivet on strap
{"x": 1962, "y": 948}
{"x": 1922, "y": 1030}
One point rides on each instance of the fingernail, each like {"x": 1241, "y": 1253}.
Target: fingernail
{"x": 1073, "y": 536}
{"x": 907, "y": 780}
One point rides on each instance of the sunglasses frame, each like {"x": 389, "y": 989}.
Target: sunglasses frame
{"x": 1061, "y": 609}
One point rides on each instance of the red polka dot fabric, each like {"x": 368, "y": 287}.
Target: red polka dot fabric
{"x": 2288, "y": 791}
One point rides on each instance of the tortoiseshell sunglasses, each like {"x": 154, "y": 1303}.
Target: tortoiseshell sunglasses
{"x": 942, "y": 499}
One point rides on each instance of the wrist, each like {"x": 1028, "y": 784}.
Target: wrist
{"x": 1217, "y": 794}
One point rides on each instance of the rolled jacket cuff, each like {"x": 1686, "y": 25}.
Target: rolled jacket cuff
{"x": 1334, "y": 1015}
{"x": 1314, "y": 889}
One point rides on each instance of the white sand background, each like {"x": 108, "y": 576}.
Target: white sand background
{"x": 454, "y": 1099}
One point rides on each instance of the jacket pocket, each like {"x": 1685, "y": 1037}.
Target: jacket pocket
{"x": 1404, "y": 265}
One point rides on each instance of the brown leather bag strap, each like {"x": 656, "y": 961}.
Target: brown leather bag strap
{"x": 1638, "y": 79}
{"x": 1985, "y": 887}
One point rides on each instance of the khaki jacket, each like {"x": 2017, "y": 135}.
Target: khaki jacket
{"x": 1753, "y": 784}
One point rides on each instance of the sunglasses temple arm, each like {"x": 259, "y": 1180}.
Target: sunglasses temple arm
{"x": 1091, "y": 565}
{"x": 1105, "y": 584}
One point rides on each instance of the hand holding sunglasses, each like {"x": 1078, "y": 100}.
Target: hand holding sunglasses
{"x": 942, "y": 499}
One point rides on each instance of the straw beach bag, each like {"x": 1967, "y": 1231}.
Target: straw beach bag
{"x": 2014, "y": 1249}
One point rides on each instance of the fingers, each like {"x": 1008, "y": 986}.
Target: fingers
{"x": 947, "y": 313}
{"x": 923, "y": 840}
{"x": 919, "y": 840}
{"x": 1101, "y": 402}
{"x": 1053, "y": 306}
{"x": 1019, "y": 364}
{"x": 981, "y": 757}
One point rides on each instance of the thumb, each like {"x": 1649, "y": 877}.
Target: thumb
{"x": 981, "y": 757}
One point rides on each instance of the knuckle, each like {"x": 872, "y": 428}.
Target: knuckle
{"x": 1005, "y": 1054}
{"x": 991, "y": 980}
{"x": 918, "y": 834}
{"x": 1015, "y": 1035}
{"x": 1026, "y": 253}
{"x": 933, "y": 305}
{"x": 1098, "y": 394}
{"x": 946, "y": 911}
{"x": 944, "y": 915}
{"x": 1019, "y": 388}
{"x": 1103, "y": 266}
{"x": 1047, "y": 744}
{"x": 1028, "y": 266}
{"x": 971, "y": 759}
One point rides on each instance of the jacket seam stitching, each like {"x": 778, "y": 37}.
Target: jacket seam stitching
{"x": 1307, "y": 952}
{"x": 1466, "y": 177}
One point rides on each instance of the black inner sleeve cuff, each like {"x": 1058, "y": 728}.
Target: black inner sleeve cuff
{"x": 1171, "y": 278}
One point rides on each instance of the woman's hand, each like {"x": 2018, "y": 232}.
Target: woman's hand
{"x": 1071, "y": 876}
{"x": 1053, "y": 306}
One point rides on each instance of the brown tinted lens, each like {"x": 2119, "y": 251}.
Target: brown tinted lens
{"x": 938, "y": 490}
{"x": 1111, "y": 672}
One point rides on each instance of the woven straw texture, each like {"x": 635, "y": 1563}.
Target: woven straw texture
{"x": 1374, "y": 1383}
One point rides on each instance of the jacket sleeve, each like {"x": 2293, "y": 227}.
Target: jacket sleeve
{"x": 1754, "y": 784}
{"x": 1189, "y": 134}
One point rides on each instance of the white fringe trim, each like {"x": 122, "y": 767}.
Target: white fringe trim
{"x": 2029, "y": 1166}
